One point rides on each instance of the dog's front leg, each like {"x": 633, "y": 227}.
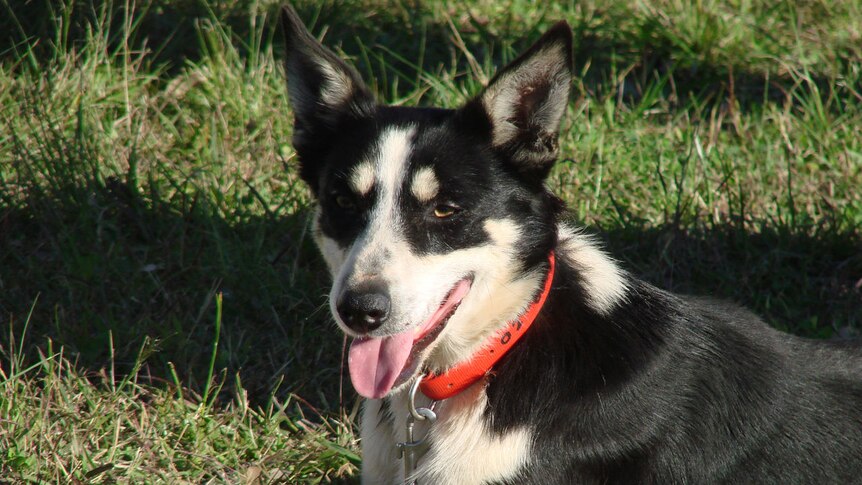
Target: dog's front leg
{"x": 380, "y": 462}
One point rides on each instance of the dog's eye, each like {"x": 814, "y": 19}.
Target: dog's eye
{"x": 442, "y": 211}
{"x": 344, "y": 201}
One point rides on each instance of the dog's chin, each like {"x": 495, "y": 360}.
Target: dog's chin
{"x": 362, "y": 365}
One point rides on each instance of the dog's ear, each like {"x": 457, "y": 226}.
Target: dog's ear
{"x": 526, "y": 100}
{"x": 323, "y": 89}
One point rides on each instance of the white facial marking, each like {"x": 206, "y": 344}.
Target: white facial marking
{"x": 424, "y": 185}
{"x": 381, "y": 241}
{"x": 603, "y": 280}
{"x": 393, "y": 152}
{"x": 362, "y": 178}
{"x": 503, "y": 232}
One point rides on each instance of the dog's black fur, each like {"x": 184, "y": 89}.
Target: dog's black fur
{"x": 678, "y": 390}
{"x": 660, "y": 388}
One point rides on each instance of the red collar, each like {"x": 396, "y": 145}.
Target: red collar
{"x": 460, "y": 377}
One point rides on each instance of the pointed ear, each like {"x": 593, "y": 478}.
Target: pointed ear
{"x": 323, "y": 89}
{"x": 526, "y": 100}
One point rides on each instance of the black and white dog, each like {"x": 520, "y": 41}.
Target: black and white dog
{"x": 551, "y": 364}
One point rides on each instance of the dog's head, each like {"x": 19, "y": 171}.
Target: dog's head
{"x": 435, "y": 223}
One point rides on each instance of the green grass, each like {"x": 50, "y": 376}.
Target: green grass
{"x": 164, "y": 308}
{"x": 63, "y": 424}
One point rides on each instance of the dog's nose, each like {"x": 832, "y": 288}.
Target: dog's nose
{"x": 364, "y": 309}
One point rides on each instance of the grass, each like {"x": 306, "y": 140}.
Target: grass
{"x": 65, "y": 425}
{"x": 164, "y": 308}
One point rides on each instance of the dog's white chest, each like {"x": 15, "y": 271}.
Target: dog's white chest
{"x": 462, "y": 449}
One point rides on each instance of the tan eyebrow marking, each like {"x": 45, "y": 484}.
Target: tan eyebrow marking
{"x": 424, "y": 185}
{"x": 362, "y": 178}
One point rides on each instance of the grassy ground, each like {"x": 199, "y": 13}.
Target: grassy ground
{"x": 163, "y": 309}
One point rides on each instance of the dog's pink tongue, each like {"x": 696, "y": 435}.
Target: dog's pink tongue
{"x": 375, "y": 363}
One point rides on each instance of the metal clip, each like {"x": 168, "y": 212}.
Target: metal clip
{"x": 410, "y": 449}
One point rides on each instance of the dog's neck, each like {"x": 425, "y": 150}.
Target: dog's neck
{"x": 455, "y": 380}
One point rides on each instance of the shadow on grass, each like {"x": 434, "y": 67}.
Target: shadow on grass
{"x": 807, "y": 283}
{"x": 102, "y": 261}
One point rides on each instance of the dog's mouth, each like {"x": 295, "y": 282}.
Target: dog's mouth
{"x": 377, "y": 364}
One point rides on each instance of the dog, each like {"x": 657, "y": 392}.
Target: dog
{"x": 458, "y": 280}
